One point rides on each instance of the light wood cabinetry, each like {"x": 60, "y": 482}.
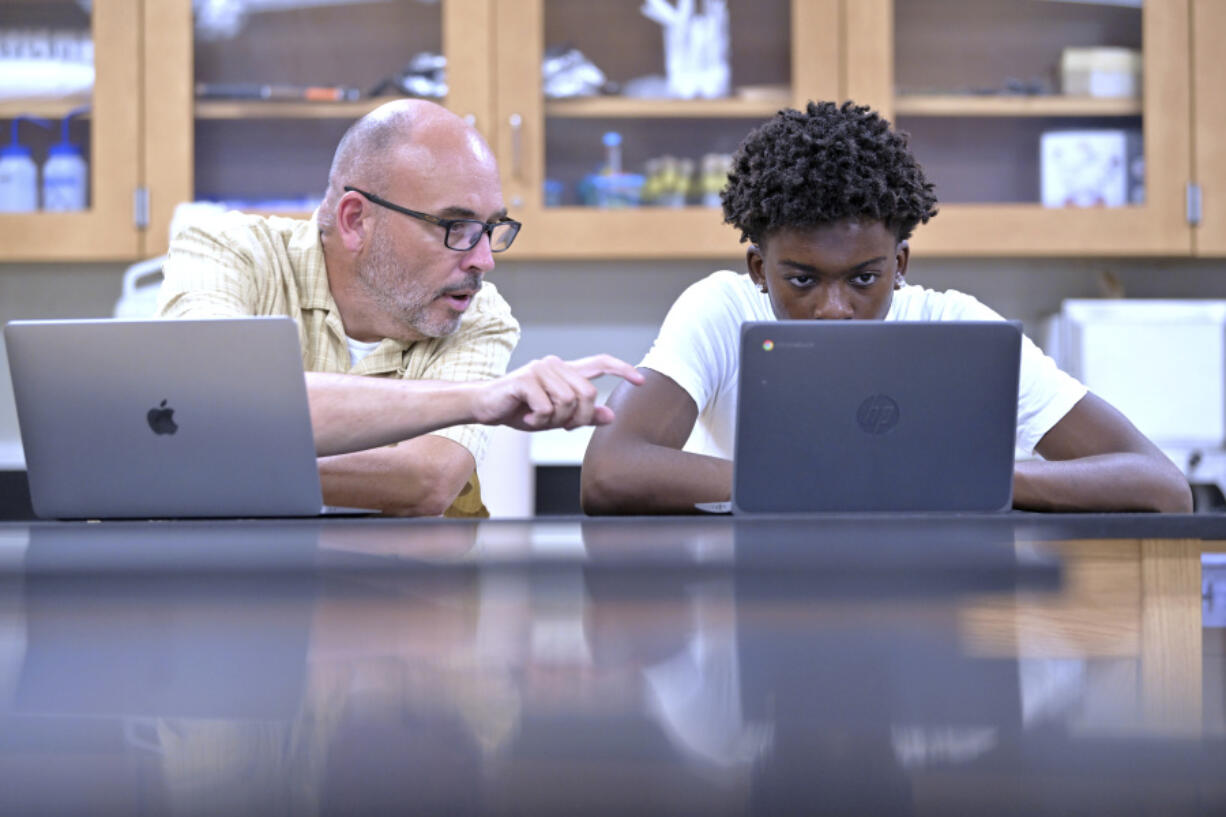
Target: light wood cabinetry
{"x": 981, "y": 145}
{"x": 936, "y": 67}
{"x": 110, "y": 137}
{"x": 1209, "y": 117}
{"x": 250, "y": 151}
{"x": 975, "y": 82}
{"x": 785, "y": 50}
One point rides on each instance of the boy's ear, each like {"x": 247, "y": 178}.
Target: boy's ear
{"x": 754, "y": 262}
{"x": 902, "y": 257}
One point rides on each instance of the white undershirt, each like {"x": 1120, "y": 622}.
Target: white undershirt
{"x": 359, "y": 349}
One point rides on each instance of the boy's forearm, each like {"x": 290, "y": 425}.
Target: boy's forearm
{"x": 651, "y": 479}
{"x": 1104, "y": 482}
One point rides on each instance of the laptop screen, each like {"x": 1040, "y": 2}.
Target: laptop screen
{"x": 162, "y": 418}
{"x": 853, "y": 416}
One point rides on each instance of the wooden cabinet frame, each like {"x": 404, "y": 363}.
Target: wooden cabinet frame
{"x": 1208, "y": 26}
{"x": 144, "y": 115}
{"x": 1158, "y": 227}
{"x": 107, "y": 230}
{"x": 648, "y": 232}
{"x": 467, "y": 31}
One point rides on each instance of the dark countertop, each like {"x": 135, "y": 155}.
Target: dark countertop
{"x": 920, "y": 664}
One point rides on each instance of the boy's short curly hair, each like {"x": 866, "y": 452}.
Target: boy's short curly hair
{"x": 822, "y": 165}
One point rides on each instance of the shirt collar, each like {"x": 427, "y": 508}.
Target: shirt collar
{"x": 307, "y": 249}
{"x": 307, "y": 252}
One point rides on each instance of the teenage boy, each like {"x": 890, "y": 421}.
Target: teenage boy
{"x": 827, "y": 198}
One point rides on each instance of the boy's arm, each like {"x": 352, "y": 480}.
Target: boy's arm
{"x": 1096, "y": 460}
{"x": 635, "y": 465}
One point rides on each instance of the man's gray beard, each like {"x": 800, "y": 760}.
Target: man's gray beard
{"x": 374, "y": 277}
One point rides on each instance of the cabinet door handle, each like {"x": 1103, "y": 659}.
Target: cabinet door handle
{"x": 517, "y": 129}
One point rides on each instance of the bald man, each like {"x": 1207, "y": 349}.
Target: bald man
{"x": 404, "y": 344}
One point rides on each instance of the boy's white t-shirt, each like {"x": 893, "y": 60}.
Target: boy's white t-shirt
{"x": 699, "y": 349}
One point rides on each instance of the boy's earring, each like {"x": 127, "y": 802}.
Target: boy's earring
{"x": 762, "y": 289}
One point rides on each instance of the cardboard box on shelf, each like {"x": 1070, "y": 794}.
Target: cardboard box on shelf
{"x": 1101, "y": 72}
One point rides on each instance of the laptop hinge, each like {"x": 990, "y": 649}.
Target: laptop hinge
{"x": 1194, "y": 203}
{"x": 140, "y": 208}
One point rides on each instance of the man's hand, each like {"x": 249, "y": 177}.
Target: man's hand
{"x": 550, "y": 393}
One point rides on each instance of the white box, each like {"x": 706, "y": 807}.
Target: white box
{"x": 1160, "y": 362}
{"x": 1101, "y": 72}
{"x": 1091, "y": 168}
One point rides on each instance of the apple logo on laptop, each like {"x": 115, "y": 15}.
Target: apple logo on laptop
{"x": 877, "y": 414}
{"x": 162, "y": 419}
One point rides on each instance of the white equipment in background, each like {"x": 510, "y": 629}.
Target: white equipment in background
{"x": 139, "y": 296}
{"x": 1162, "y": 363}
{"x": 142, "y": 280}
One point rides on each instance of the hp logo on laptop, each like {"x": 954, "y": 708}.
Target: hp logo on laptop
{"x": 877, "y": 414}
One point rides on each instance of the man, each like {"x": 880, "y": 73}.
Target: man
{"x": 386, "y": 280}
{"x": 828, "y": 198}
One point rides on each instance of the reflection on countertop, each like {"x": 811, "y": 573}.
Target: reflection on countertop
{"x": 582, "y": 666}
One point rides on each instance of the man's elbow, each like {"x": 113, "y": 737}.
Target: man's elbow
{"x": 431, "y": 494}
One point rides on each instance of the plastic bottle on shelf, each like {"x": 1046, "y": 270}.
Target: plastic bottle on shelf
{"x": 18, "y": 173}
{"x": 65, "y": 174}
{"x": 614, "y": 188}
{"x": 612, "y": 141}
{"x": 715, "y": 169}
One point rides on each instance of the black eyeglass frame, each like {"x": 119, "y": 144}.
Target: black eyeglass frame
{"x": 487, "y": 227}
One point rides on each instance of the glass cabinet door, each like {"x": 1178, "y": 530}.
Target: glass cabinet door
{"x": 254, "y": 103}
{"x": 614, "y": 129}
{"x": 1049, "y": 127}
{"x": 70, "y": 113}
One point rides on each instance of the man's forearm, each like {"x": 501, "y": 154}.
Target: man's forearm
{"x": 647, "y": 478}
{"x": 350, "y": 413}
{"x": 419, "y": 477}
{"x": 1105, "y": 482}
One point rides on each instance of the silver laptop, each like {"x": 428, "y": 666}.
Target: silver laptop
{"x": 164, "y": 418}
{"x": 860, "y": 416}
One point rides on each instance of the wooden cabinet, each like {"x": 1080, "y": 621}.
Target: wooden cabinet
{"x": 781, "y": 53}
{"x": 1208, "y": 25}
{"x": 273, "y": 154}
{"x": 977, "y": 83}
{"x": 109, "y": 134}
{"x": 959, "y": 75}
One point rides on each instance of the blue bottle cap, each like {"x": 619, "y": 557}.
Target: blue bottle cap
{"x": 16, "y": 149}
{"x": 63, "y": 149}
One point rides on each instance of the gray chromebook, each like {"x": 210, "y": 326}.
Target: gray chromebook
{"x": 164, "y": 418}
{"x": 862, "y": 416}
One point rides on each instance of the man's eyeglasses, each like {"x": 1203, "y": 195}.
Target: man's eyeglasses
{"x": 462, "y": 234}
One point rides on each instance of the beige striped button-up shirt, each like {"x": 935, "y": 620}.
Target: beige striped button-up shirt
{"x": 253, "y": 265}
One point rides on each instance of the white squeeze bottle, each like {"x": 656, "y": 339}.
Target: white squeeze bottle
{"x": 65, "y": 175}
{"x": 18, "y": 175}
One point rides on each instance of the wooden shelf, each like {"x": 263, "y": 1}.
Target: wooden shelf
{"x": 969, "y": 106}
{"x": 46, "y": 108}
{"x": 287, "y": 109}
{"x": 614, "y": 107}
